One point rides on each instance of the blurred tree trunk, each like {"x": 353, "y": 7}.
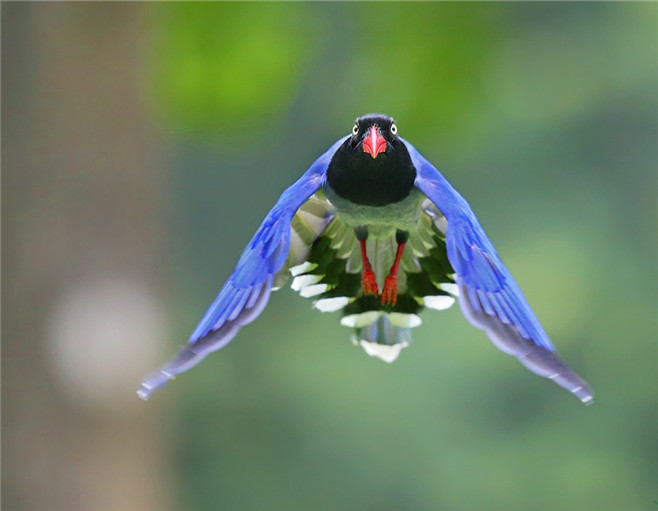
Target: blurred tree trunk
{"x": 82, "y": 195}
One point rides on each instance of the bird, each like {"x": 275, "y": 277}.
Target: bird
{"x": 374, "y": 230}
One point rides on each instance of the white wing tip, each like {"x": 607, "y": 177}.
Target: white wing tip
{"x": 153, "y": 383}
{"x": 331, "y": 304}
{"x": 386, "y": 352}
{"x": 438, "y": 302}
{"x": 302, "y": 268}
{"x": 303, "y": 281}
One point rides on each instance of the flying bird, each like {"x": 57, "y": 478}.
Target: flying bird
{"x": 374, "y": 230}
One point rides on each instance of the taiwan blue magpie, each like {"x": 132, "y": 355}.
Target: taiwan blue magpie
{"x": 374, "y": 230}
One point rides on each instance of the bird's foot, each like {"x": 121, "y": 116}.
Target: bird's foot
{"x": 390, "y": 292}
{"x": 369, "y": 283}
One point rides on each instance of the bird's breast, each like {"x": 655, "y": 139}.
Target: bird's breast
{"x": 382, "y": 221}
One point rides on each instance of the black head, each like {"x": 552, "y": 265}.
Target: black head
{"x": 373, "y": 166}
{"x": 374, "y": 134}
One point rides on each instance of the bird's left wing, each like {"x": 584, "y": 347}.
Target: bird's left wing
{"x": 248, "y": 288}
{"x": 488, "y": 295}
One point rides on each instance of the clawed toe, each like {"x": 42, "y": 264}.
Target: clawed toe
{"x": 390, "y": 292}
{"x": 369, "y": 283}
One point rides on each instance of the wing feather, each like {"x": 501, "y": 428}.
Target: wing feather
{"x": 247, "y": 290}
{"x": 489, "y": 296}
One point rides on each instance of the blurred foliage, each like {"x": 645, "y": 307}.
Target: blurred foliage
{"x": 545, "y": 117}
{"x": 222, "y": 67}
{"x": 218, "y": 66}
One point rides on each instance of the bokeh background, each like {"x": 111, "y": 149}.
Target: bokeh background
{"x": 143, "y": 143}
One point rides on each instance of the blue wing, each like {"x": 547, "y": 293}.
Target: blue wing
{"x": 489, "y": 297}
{"x": 248, "y": 288}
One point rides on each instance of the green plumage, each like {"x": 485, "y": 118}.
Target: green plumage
{"x": 326, "y": 264}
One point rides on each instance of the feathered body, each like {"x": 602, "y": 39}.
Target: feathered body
{"x": 373, "y": 214}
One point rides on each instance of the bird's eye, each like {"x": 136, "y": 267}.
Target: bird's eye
{"x": 355, "y": 129}
{"x": 394, "y": 129}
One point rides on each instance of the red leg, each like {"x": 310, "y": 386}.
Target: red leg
{"x": 390, "y": 292}
{"x": 368, "y": 280}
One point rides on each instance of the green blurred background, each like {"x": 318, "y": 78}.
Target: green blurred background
{"x": 143, "y": 144}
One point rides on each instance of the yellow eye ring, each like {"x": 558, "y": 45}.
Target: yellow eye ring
{"x": 394, "y": 129}
{"x": 355, "y": 129}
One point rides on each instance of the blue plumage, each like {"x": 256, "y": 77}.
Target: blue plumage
{"x": 474, "y": 258}
{"x": 488, "y": 295}
{"x": 266, "y": 252}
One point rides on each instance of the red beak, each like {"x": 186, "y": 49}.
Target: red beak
{"x": 374, "y": 143}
